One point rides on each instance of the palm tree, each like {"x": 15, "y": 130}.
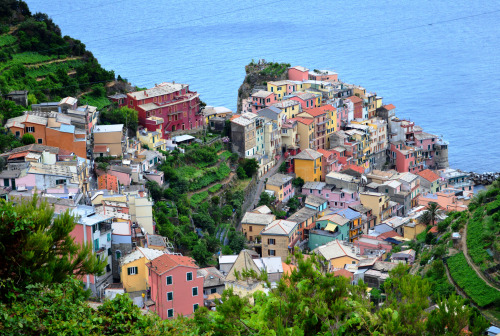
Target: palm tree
{"x": 432, "y": 209}
{"x": 425, "y": 218}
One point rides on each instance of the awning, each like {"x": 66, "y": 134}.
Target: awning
{"x": 331, "y": 227}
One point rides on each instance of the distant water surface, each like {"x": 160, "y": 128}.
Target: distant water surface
{"x": 437, "y": 61}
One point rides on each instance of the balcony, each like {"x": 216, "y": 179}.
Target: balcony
{"x": 154, "y": 120}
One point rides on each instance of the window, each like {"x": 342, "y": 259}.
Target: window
{"x": 170, "y": 296}
{"x": 250, "y": 228}
{"x": 132, "y": 270}
{"x": 96, "y": 244}
{"x": 271, "y": 252}
{"x": 118, "y": 254}
{"x": 170, "y": 313}
{"x": 60, "y": 181}
{"x": 271, "y": 241}
{"x": 109, "y": 237}
{"x": 195, "y": 306}
{"x": 5, "y": 182}
{"x": 30, "y": 129}
{"x": 189, "y": 276}
{"x": 213, "y": 290}
{"x": 169, "y": 280}
{"x": 40, "y": 141}
{"x": 195, "y": 291}
{"x": 18, "y": 134}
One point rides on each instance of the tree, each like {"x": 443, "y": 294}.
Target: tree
{"x": 293, "y": 203}
{"x": 9, "y": 109}
{"x": 450, "y": 317}
{"x": 432, "y": 210}
{"x": 250, "y": 166}
{"x": 241, "y": 173}
{"x": 28, "y": 139}
{"x": 122, "y": 115}
{"x": 38, "y": 247}
{"x": 266, "y": 199}
{"x": 298, "y": 182}
{"x": 201, "y": 254}
{"x": 236, "y": 241}
{"x": 154, "y": 190}
{"x": 282, "y": 168}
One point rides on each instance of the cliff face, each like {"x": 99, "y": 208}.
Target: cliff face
{"x": 258, "y": 74}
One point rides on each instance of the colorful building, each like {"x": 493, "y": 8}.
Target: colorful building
{"x": 305, "y": 130}
{"x": 253, "y": 223}
{"x": 175, "y": 106}
{"x": 279, "y": 238}
{"x": 429, "y": 180}
{"x": 281, "y": 88}
{"x": 308, "y": 165}
{"x": 291, "y": 108}
{"x": 298, "y": 73}
{"x": 378, "y": 202}
{"x": 261, "y": 99}
{"x": 338, "y": 198}
{"x": 176, "y": 288}
{"x": 282, "y": 186}
{"x": 134, "y": 273}
{"x": 338, "y": 254}
{"x": 107, "y": 181}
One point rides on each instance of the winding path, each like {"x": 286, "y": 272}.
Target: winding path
{"x": 471, "y": 263}
{"x": 260, "y": 185}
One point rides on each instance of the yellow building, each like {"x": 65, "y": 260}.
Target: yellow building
{"x": 378, "y": 202}
{"x": 308, "y": 165}
{"x": 152, "y": 140}
{"x": 218, "y": 111}
{"x": 412, "y": 229}
{"x": 338, "y": 255}
{"x": 281, "y": 88}
{"x": 290, "y": 107}
{"x": 281, "y": 184}
{"x": 133, "y": 271}
{"x": 305, "y": 130}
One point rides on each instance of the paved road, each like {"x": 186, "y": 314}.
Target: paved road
{"x": 260, "y": 185}
{"x": 470, "y": 262}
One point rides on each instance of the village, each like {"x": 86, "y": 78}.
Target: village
{"x": 337, "y": 174}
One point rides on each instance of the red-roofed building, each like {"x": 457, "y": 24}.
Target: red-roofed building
{"x": 358, "y": 106}
{"x": 345, "y": 273}
{"x": 175, "y": 286}
{"x": 429, "y": 180}
{"x": 355, "y": 168}
{"x": 321, "y": 119}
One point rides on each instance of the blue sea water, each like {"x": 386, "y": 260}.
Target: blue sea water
{"x": 437, "y": 61}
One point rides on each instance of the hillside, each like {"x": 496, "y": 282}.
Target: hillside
{"x": 258, "y": 74}
{"x": 34, "y": 56}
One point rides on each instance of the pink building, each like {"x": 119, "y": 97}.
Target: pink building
{"x": 171, "y": 105}
{"x": 123, "y": 174}
{"x": 298, "y": 73}
{"x": 329, "y": 162}
{"x": 323, "y": 75}
{"x": 406, "y": 158}
{"x": 176, "y": 288}
{"x": 262, "y": 99}
{"x": 337, "y": 198}
{"x": 369, "y": 243}
{"x": 448, "y": 199}
{"x": 306, "y": 99}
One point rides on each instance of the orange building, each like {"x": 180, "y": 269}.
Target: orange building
{"x": 50, "y": 131}
{"x": 107, "y": 181}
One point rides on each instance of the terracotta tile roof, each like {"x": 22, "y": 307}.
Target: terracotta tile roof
{"x": 389, "y": 234}
{"x": 343, "y": 272}
{"x": 327, "y": 107}
{"x": 389, "y": 107}
{"x": 315, "y": 111}
{"x": 326, "y": 153}
{"x": 100, "y": 149}
{"x": 288, "y": 269}
{"x": 354, "y": 167}
{"x": 355, "y": 99}
{"x": 303, "y": 120}
{"x": 63, "y": 152}
{"x": 429, "y": 175}
{"x": 166, "y": 262}
{"x": 433, "y": 229}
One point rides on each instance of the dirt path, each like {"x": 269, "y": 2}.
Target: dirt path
{"x": 260, "y": 185}
{"x": 53, "y": 61}
{"x": 471, "y": 263}
{"x": 223, "y": 182}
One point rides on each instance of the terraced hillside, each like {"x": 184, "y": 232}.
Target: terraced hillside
{"x": 34, "y": 56}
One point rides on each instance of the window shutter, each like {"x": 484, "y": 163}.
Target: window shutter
{"x": 128, "y": 271}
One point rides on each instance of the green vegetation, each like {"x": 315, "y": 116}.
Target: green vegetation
{"x": 471, "y": 283}
{"x": 436, "y": 275}
{"x": 28, "y": 139}
{"x": 37, "y": 248}
{"x": 216, "y": 187}
{"x": 122, "y": 115}
{"x": 196, "y": 199}
{"x": 35, "y": 56}
{"x": 225, "y": 155}
{"x": 275, "y": 69}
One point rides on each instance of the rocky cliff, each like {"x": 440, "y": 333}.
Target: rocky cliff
{"x": 258, "y": 74}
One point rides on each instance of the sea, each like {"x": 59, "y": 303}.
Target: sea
{"x": 438, "y": 62}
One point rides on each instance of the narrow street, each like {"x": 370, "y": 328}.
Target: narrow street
{"x": 260, "y": 185}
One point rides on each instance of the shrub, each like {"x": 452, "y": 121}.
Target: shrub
{"x": 196, "y": 199}
{"x": 213, "y": 189}
{"x": 28, "y": 139}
